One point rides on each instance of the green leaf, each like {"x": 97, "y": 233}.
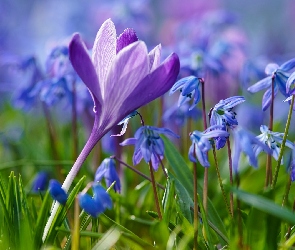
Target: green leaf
{"x": 185, "y": 177}
{"x": 108, "y": 240}
{"x": 266, "y": 205}
{"x": 168, "y": 200}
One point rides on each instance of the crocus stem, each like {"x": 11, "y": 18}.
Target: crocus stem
{"x": 205, "y": 187}
{"x": 220, "y": 181}
{"x": 53, "y": 139}
{"x": 231, "y": 200}
{"x": 74, "y": 122}
{"x": 275, "y": 177}
{"x": 93, "y": 139}
{"x": 196, "y": 209}
{"x": 136, "y": 171}
{"x": 268, "y": 171}
{"x": 155, "y": 191}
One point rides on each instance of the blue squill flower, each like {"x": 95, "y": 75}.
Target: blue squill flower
{"x": 98, "y": 203}
{"x": 201, "y": 144}
{"x": 278, "y": 74}
{"x": 40, "y": 182}
{"x": 57, "y": 192}
{"x": 107, "y": 170}
{"x": 121, "y": 77}
{"x": 273, "y": 140}
{"x": 244, "y": 141}
{"x": 223, "y": 115}
{"x": 292, "y": 166}
{"x": 188, "y": 87}
{"x": 148, "y": 144}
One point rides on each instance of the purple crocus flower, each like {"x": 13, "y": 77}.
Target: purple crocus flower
{"x": 98, "y": 203}
{"x": 223, "y": 115}
{"x": 278, "y": 74}
{"x": 201, "y": 143}
{"x": 57, "y": 192}
{"x": 244, "y": 141}
{"x": 148, "y": 145}
{"x": 107, "y": 170}
{"x": 121, "y": 76}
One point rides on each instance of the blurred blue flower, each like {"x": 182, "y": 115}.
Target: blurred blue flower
{"x": 107, "y": 170}
{"x": 201, "y": 144}
{"x": 179, "y": 115}
{"x": 189, "y": 87}
{"x": 292, "y": 166}
{"x": 273, "y": 140}
{"x": 148, "y": 144}
{"x": 223, "y": 115}
{"x": 278, "y": 74}
{"x": 40, "y": 182}
{"x": 244, "y": 142}
{"x": 98, "y": 203}
{"x": 57, "y": 192}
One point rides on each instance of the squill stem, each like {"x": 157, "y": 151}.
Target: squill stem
{"x": 287, "y": 190}
{"x": 137, "y": 171}
{"x": 277, "y": 169}
{"x": 231, "y": 200}
{"x": 220, "y": 181}
{"x": 268, "y": 171}
{"x": 240, "y": 226}
{"x": 155, "y": 191}
{"x": 205, "y": 188}
{"x": 52, "y": 139}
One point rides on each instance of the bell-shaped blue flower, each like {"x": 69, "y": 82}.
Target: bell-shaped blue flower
{"x": 189, "y": 87}
{"x": 107, "y": 170}
{"x": 98, "y": 203}
{"x": 40, "y": 182}
{"x": 148, "y": 144}
{"x": 273, "y": 140}
{"x": 278, "y": 74}
{"x": 223, "y": 115}
{"x": 244, "y": 141}
{"x": 57, "y": 192}
{"x": 201, "y": 144}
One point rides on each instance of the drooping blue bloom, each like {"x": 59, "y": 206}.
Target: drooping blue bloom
{"x": 223, "y": 115}
{"x": 179, "y": 115}
{"x": 244, "y": 141}
{"x": 278, "y": 74}
{"x": 292, "y": 166}
{"x": 273, "y": 140}
{"x": 189, "y": 87}
{"x": 98, "y": 203}
{"x": 57, "y": 192}
{"x": 148, "y": 144}
{"x": 201, "y": 144}
{"x": 40, "y": 182}
{"x": 107, "y": 170}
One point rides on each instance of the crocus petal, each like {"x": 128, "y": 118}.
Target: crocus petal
{"x": 127, "y": 37}
{"x": 104, "y": 52}
{"x": 82, "y": 64}
{"x": 288, "y": 65}
{"x": 262, "y": 84}
{"x": 153, "y": 85}
{"x": 130, "y": 66}
{"x": 155, "y": 57}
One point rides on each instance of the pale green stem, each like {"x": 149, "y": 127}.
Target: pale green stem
{"x": 277, "y": 169}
